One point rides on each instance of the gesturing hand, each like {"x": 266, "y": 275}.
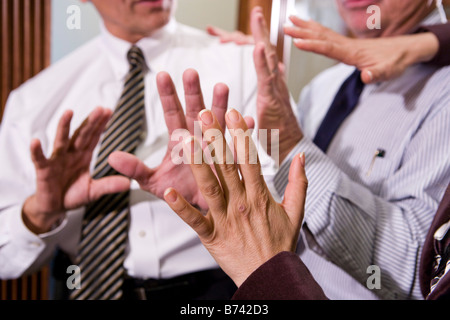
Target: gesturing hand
{"x": 274, "y": 109}
{"x": 378, "y": 59}
{"x": 244, "y": 226}
{"x": 169, "y": 173}
{"x": 63, "y": 181}
{"x": 237, "y": 37}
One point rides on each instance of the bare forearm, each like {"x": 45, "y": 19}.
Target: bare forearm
{"x": 424, "y": 47}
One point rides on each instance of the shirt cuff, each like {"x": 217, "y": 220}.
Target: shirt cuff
{"x": 442, "y": 32}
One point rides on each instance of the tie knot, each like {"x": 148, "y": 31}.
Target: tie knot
{"x": 136, "y": 57}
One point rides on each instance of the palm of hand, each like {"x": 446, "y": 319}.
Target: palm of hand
{"x": 168, "y": 174}
{"x": 64, "y": 182}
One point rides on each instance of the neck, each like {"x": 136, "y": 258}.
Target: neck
{"x": 127, "y": 35}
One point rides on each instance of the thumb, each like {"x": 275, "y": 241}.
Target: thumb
{"x": 108, "y": 185}
{"x": 187, "y": 213}
{"x": 214, "y": 31}
{"x": 129, "y": 165}
{"x": 295, "y": 194}
{"x": 368, "y": 76}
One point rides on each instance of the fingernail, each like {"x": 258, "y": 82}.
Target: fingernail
{"x": 206, "y": 117}
{"x": 233, "y": 115}
{"x": 170, "y": 195}
{"x": 370, "y": 74}
{"x": 302, "y": 159}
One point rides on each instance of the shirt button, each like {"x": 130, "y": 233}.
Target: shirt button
{"x": 142, "y": 233}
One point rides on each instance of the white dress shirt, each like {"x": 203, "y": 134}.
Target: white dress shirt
{"x": 363, "y": 210}
{"x": 160, "y": 244}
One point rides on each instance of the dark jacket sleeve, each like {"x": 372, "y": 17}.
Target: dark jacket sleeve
{"x": 442, "y": 289}
{"x": 442, "y": 32}
{"x": 284, "y": 277}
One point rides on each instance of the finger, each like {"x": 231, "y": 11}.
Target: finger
{"x": 321, "y": 31}
{"x": 378, "y": 73}
{"x": 205, "y": 178}
{"x": 258, "y": 26}
{"x": 301, "y": 23}
{"x": 300, "y": 33}
{"x": 191, "y": 216}
{"x": 264, "y": 76}
{"x": 62, "y": 132}
{"x": 173, "y": 112}
{"x": 261, "y": 33}
{"x": 243, "y": 39}
{"x": 193, "y": 97}
{"x": 250, "y": 122}
{"x": 367, "y": 76}
{"x": 83, "y": 136}
{"x": 108, "y": 185}
{"x": 215, "y": 31}
{"x": 37, "y": 155}
{"x": 222, "y": 156}
{"x": 246, "y": 151}
{"x": 99, "y": 130}
{"x": 326, "y": 48}
{"x": 129, "y": 165}
{"x": 295, "y": 194}
{"x": 238, "y": 38}
{"x": 220, "y": 103}
{"x": 282, "y": 70}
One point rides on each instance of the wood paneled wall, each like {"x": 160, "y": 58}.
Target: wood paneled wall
{"x": 25, "y": 50}
{"x": 25, "y": 42}
{"x": 246, "y": 6}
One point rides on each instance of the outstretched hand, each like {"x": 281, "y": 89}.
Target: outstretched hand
{"x": 274, "y": 108}
{"x": 244, "y": 226}
{"x": 236, "y": 37}
{"x": 171, "y": 172}
{"x": 63, "y": 181}
{"x": 378, "y": 59}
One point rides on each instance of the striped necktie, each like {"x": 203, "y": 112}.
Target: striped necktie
{"x": 101, "y": 251}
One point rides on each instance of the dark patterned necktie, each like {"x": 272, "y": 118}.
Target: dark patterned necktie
{"x": 105, "y": 225}
{"x": 344, "y": 103}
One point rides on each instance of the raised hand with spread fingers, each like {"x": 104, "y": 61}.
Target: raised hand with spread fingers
{"x": 180, "y": 125}
{"x": 245, "y": 226}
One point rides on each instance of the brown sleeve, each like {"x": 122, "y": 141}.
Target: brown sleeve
{"x": 284, "y": 277}
{"x": 442, "y": 32}
{"x": 428, "y": 254}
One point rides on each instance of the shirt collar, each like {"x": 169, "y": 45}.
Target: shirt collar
{"x": 116, "y": 49}
{"x": 432, "y": 18}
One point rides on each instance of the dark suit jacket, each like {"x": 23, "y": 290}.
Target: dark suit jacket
{"x": 442, "y": 290}
{"x": 285, "y": 277}
{"x": 442, "y": 32}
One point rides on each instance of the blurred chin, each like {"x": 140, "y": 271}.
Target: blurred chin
{"x": 357, "y": 23}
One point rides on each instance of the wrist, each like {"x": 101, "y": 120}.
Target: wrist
{"x": 425, "y": 46}
{"x": 250, "y": 268}
{"x": 37, "y": 221}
